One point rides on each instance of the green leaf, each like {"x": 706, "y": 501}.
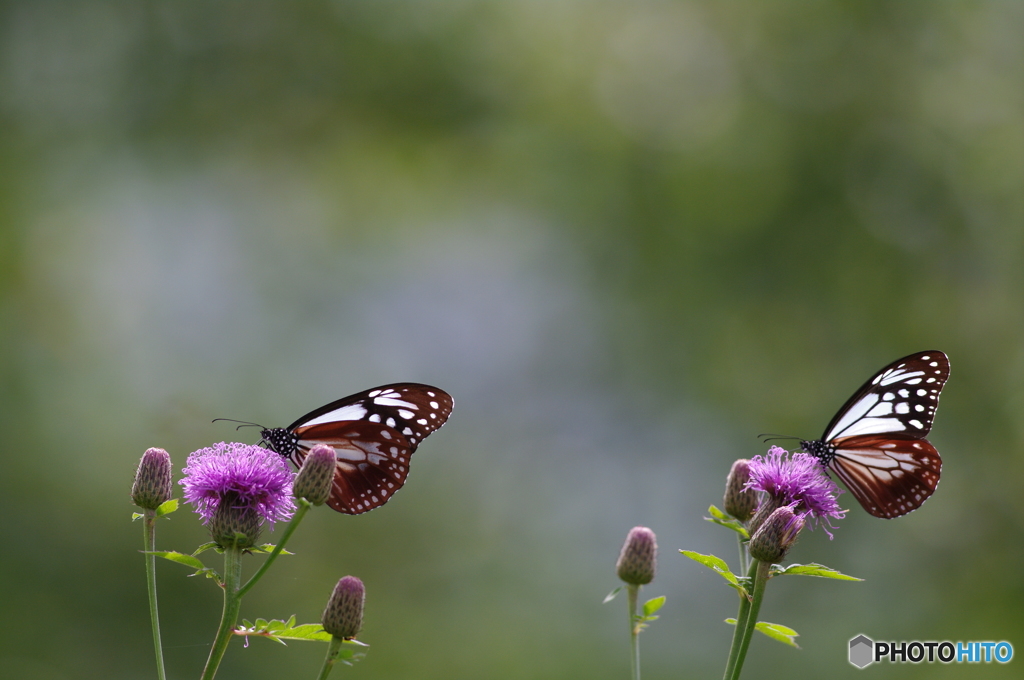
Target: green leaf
{"x": 775, "y": 631}
{"x": 719, "y": 566}
{"x": 180, "y": 558}
{"x": 722, "y": 519}
{"x": 812, "y": 570}
{"x": 137, "y": 515}
{"x": 268, "y": 548}
{"x": 779, "y": 633}
{"x": 207, "y": 546}
{"x": 653, "y": 605}
{"x": 279, "y": 631}
{"x": 611, "y": 596}
{"x": 167, "y": 507}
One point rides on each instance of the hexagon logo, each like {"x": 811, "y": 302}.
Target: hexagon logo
{"x": 862, "y": 651}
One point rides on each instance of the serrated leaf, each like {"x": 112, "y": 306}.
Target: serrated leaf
{"x": 279, "y": 631}
{"x": 611, "y": 596}
{"x": 812, "y": 569}
{"x": 268, "y": 548}
{"x": 719, "y": 566}
{"x": 204, "y": 547}
{"x": 167, "y": 507}
{"x": 779, "y": 633}
{"x": 653, "y": 605}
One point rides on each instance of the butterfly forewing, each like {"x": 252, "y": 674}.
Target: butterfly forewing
{"x": 876, "y": 442}
{"x": 373, "y": 434}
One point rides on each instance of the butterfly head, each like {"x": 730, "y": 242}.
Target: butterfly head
{"x": 820, "y": 450}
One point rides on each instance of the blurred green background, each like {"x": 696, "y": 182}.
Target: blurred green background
{"x": 627, "y": 237}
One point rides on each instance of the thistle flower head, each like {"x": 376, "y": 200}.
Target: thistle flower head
{"x": 740, "y": 501}
{"x": 797, "y": 480}
{"x": 776, "y": 535}
{"x": 152, "y": 485}
{"x": 343, "y": 616}
{"x": 316, "y": 476}
{"x": 636, "y": 564}
{"x": 237, "y": 488}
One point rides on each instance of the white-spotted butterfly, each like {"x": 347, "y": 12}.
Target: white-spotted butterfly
{"x": 373, "y": 434}
{"x": 876, "y": 442}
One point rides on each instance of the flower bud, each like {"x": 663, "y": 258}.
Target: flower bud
{"x": 152, "y": 485}
{"x": 232, "y": 526}
{"x": 343, "y": 616}
{"x": 739, "y": 501}
{"x": 636, "y": 563}
{"x": 776, "y": 536}
{"x": 316, "y": 475}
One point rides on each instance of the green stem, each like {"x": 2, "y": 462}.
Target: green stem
{"x": 332, "y": 656}
{"x": 743, "y": 554}
{"x": 149, "y": 540}
{"x": 760, "y": 580}
{"x": 303, "y": 508}
{"x": 634, "y": 631}
{"x": 232, "y": 603}
{"x": 741, "y": 622}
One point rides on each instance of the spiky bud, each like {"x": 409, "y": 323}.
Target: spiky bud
{"x": 777, "y": 534}
{"x": 636, "y": 564}
{"x": 739, "y": 501}
{"x": 235, "y": 526}
{"x": 316, "y": 475}
{"x": 343, "y": 616}
{"x": 152, "y": 485}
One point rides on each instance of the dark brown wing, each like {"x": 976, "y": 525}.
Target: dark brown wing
{"x": 372, "y": 461}
{"x": 890, "y": 475}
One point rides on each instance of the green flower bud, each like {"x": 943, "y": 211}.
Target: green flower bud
{"x": 636, "y": 564}
{"x": 235, "y": 526}
{"x": 343, "y": 616}
{"x": 739, "y": 502}
{"x": 152, "y": 485}
{"x": 316, "y": 476}
{"x": 776, "y": 536}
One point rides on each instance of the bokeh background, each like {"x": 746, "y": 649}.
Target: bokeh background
{"x": 627, "y": 237}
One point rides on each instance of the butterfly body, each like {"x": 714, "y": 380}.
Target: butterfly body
{"x": 373, "y": 434}
{"x": 876, "y": 442}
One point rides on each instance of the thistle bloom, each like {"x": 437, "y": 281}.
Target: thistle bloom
{"x": 636, "y": 562}
{"x": 797, "y": 480}
{"x": 343, "y": 616}
{"x": 238, "y": 488}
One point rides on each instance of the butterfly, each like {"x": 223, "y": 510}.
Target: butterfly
{"x": 373, "y": 434}
{"x": 876, "y": 442}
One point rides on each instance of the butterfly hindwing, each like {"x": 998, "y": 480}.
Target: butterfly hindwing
{"x": 373, "y": 434}
{"x": 876, "y": 442}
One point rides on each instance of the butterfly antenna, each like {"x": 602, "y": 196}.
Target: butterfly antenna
{"x": 243, "y": 423}
{"x": 768, "y": 437}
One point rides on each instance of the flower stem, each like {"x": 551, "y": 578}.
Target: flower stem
{"x": 737, "y": 633}
{"x": 149, "y": 540}
{"x": 761, "y": 572}
{"x": 303, "y": 508}
{"x": 634, "y": 631}
{"x": 743, "y": 554}
{"x": 232, "y": 603}
{"x": 332, "y": 656}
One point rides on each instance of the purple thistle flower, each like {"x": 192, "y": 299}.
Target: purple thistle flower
{"x": 246, "y": 477}
{"x": 797, "y": 480}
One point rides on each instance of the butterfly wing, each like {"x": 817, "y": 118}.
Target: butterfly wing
{"x": 373, "y": 434}
{"x": 876, "y": 442}
{"x": 889, "y": 475}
